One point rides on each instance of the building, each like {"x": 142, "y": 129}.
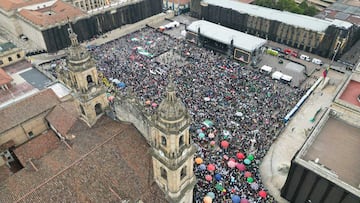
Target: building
{"x": 10, "y": 54}
{"x": 88, "y": 5}
{"x": 318, "y": 36}
{"x": 323, "y": 170}
{"x": 82, "y": 155}
{"x": 45, "y": 22}
{"x": 242, "y": 46}
{"x": 5, "y": 80}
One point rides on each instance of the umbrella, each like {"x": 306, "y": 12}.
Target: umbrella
{"x": 240, "y": 155}
{"x": 211, "y": 135}
{"x": 110, "y": 98}
{"x": 262, "y": 193}
{"x": 212, "y": 143}
{"x": 211, "y": 167}
{"x": 224, "y": 144}
{"x": 231, "y": 164}
{"x": 254, "y": 186}
{"x": 121, "y": 85}
{"x": 247, "y": 161}
{"x": 217, "y": 177}
{"x": 244, "y": 201}
{"x": 250, "y": 157}
{"x": 241, "y": 167}
{"x": 208, "y": 177}
{"x": 207, "y": 199}
{"x": 247, "y": 174}
{"x": 250, "y": 180}
{"x": 208, "y": 123}
{"x": 226, "y": 157}
{"x": 201, "y": 135}
{"x": 206, "y": 99}
{"x": 235, "y": 198}
{"x": 239, "y": 114}
{"x": 154, "y": 104}
{"x": 219, "y": 187}
{"x": 202, "y": 167}
{"x": 211, "y": 194}
{"x": 198, "y": 160}
{"x": 148, "y": 102}
{"x": 226, "y": 133}
{"x": 198, "y": 131}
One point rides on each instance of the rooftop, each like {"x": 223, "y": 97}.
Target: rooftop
{"x": 302, "y": 21}
{"x": 24, "y": 109}
{"x": 57, "y": 12}
{"x": 109, "y": 162}
{"x": 337, "y": 148}
{"x": 63, "y": 117}
{"x": 8, "y": 5}
{"x": 225, "y": 35}
{"x": 4, "y": 77}
{"x": 60, "y": 90}
{"x": 6, "y": 47}
{"x": 352, "y": 93}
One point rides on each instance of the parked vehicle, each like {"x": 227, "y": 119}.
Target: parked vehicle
{"x": 291, "y": 52}
{"x": 304, "y": 57}
{"x": 317, "y": 61}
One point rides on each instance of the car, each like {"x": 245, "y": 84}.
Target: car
{"x": 278, "y": 49}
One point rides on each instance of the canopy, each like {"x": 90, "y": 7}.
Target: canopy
{"x": 211, "y": 167}
{"x": 276, "y": 75}
{"x": 262, "y": 193}
{"x": 235, "y": 199}
{"x": 208, "y": 123}
{"x": 224, "y": 144}
{"x": 266, "y": 68}
{"x": 198, "y": 160}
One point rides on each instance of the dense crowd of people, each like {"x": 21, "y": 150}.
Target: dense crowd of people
{"x": 237, "y": 110}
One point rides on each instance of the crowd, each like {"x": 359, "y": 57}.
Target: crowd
{"x": 237, "y": 111}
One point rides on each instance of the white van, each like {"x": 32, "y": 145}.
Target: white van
{"x": 304, "y": 57}
{"x": 317, "y": 61}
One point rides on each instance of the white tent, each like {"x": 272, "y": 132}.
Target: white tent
{"x": 266, "y": 68}
{"x": 287, "y": 78}
{"x": 277, "y": 75}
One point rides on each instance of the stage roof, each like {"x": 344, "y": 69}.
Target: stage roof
{"x": 297, "y": 20}
{"x": 225, "y": 35}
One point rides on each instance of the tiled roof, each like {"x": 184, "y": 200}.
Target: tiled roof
{"x": 27, "y": 108}
{"x": 37, "y": 147}
{"x": 8, "y": 5}
{"x": 63, "y": 117}
{"x": 4, "y": 77}
{"x": 57, "y": 12}
{"x": 107, "y": 161}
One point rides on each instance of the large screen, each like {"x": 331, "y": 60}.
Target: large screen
{"x": 242, "y": 55}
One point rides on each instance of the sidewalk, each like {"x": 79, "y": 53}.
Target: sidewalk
{"x": 276, "y": 163}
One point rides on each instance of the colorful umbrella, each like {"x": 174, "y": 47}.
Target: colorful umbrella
{"x": 208, "y": 177}
{"x": 211, "y": 194}
{"x": 217, "y": 177}
{"x": 250, "y": 157}
{"x": 247, "y": 161}
{"x": 219, "y": 187}
{"x": 254, "y": 186}
{"x": 199, "y": 131}
{"x": 262, "y": 193}
{"x": 148, "y": 102}
{"x": 241, "y": 167}
{"x": 235, "y": 198}
{"x": 244, "y": 201}
{"x": 224, "y": 144}
{"x": 240, "y": 155}
{"x": 198, "y": 160}
{"x": 202, "y": 167}
{"x": 250, "y": 180}
{"x": 207, "y": 199}
{"x": 211, "y": 135}
{"x": 201, "y": 135}
{"x": 212, "y": 143}
{"x": 208, "y": 123}
{"x": 154, "y": 104}
{"x": 211, "y": 167}
{"x": 247, "y": 174}
{"x": 231, "y": 164}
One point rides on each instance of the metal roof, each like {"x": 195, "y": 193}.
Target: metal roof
{"x": 297, "y": 20}
{"x": 225, "y": 35}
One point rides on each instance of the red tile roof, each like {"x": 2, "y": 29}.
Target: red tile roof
{"x": 107, "y": 161}
{"x": 8, "y": 5}
{"x": 37, "y": 147}
{"x": 4, "y": 77}
{"x": 58, "y": 12}
{"x": 63, "y": 117}
{"x": 351, "y": 93}
{"x": 27, "y": 108}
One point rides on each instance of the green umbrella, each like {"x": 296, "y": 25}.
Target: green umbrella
{"x": 250, "y": 180}
{"x": 219, "y": 187}
{"x": 247, "y": 161}
{"x": 250, "y": 157}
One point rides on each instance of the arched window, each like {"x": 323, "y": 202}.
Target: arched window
{"x": 163, "y": 173}
{"x": 183, "y": 173}
{"x": 163, "y": 140}
{"x": 181, "y": 140}
{"x": 9, "y": 59}
{"x": 89, "y": 79}
{"x": 98, "y": 109}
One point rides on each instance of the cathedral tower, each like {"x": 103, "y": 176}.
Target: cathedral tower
{"x": 81, "y": 76}
{"x": 173, "y": 150}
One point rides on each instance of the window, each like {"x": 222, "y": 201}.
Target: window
{"x": 9, "y": 59}
{"x": 89, "y": 79}
{"x": 31, "y": 134}
{"x": 163, "y": 173}
{"x": 18, "y": 56}
{"x": 163, "y": 140}
{"x": 98, "y": 109}
{"x": 183, "y": 173}
{"x": 181, "y": 140}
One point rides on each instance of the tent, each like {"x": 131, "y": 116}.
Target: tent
{"x": 286, "y": 78}
{"x": 276, "y": 75}
{"x": 266, "y": 69}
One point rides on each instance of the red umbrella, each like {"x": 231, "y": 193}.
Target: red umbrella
{"x": 241, "y": 166}
{"x": 247, "y": 174}
{"x": 224, "y": 144}
{"x": 208, "y": 177}
{"x": 262, "y": 193}
{"x": 240, "y": 155}
{"x": 154, "y": 104}
{"x": 211, "y": 167}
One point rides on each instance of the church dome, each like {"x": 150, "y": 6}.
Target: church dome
{"x": 171, "y": 108}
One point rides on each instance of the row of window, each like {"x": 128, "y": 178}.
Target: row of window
{"x": 164, "y": 141}
{"x": 10, "y": 58}
{"x": 163, "y": 173}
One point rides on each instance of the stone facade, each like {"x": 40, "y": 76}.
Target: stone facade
{"x": 11, "y": 56}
